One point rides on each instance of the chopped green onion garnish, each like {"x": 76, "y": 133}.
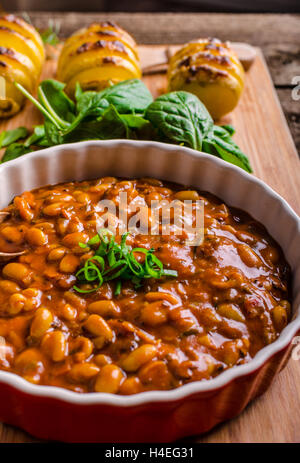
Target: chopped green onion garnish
{"x": 118, "y": 288}
{"x": 112, "y": 261}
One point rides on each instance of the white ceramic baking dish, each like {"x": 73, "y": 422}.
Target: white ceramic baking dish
{"x": 53, "y": 413}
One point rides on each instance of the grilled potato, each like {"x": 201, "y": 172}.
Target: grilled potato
{"x": 98, "y": 56}
{"x": 211, "y": 70}
{"x": 21, "y": 59}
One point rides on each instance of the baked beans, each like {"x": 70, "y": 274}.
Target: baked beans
{"x": 229, "y": 300}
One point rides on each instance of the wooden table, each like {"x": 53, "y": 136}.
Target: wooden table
{"x": 275, "y": 416}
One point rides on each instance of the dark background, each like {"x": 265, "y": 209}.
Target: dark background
{"x": 237, "y": 6}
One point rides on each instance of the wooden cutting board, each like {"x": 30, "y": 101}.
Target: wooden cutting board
{"x": 263, "y": 134}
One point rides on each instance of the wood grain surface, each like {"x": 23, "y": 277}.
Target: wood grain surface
{"x": 262, "y": 132}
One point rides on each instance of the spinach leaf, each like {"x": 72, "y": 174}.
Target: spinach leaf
{"x": 51, "y": 115}
{"x": 53, "y": 135}
{"x": 112, "y": 126}
{"x": 43, "y": 143}
{"x": 78, "y": 91}
{"x": 14, "y": 151}
{"x": 125, "y": 110}
{"x": 80, "y": 132}
{"x": 11, "y": 136}
{"x": 181, "y": 118}
{"x": 134, "y": 122}
{"x": 229, "y": 151}
{"x": 130, "y": 96}
{"x": 90, "y": 104}
{"x": 85, "y": 130}
{"x": 36, "y": 136}
{"x": 138, "y": 127}
{"x": 109, "y": 126}
{"x": 229, "y": 129}
{"x": 52, "y": 96}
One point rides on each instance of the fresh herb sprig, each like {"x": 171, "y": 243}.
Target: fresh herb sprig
{"x": 8, "y": 137}
{"x": 181, "y": 118}
{"x": 113, "y": 261}
{"x": 50, "y": 35}
{"x": 126, "y": 110}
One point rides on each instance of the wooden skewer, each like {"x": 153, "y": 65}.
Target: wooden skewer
{"x": 245, "y": 52}
{"x": 158, "y": 68}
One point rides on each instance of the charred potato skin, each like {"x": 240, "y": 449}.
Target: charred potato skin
{"x": 21, "y": 26}
{"x": 98, "y": 56}
{"x": 106, "y": 29}
{"x": 21, "y": 59}
{"x": 211, "y": 70}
